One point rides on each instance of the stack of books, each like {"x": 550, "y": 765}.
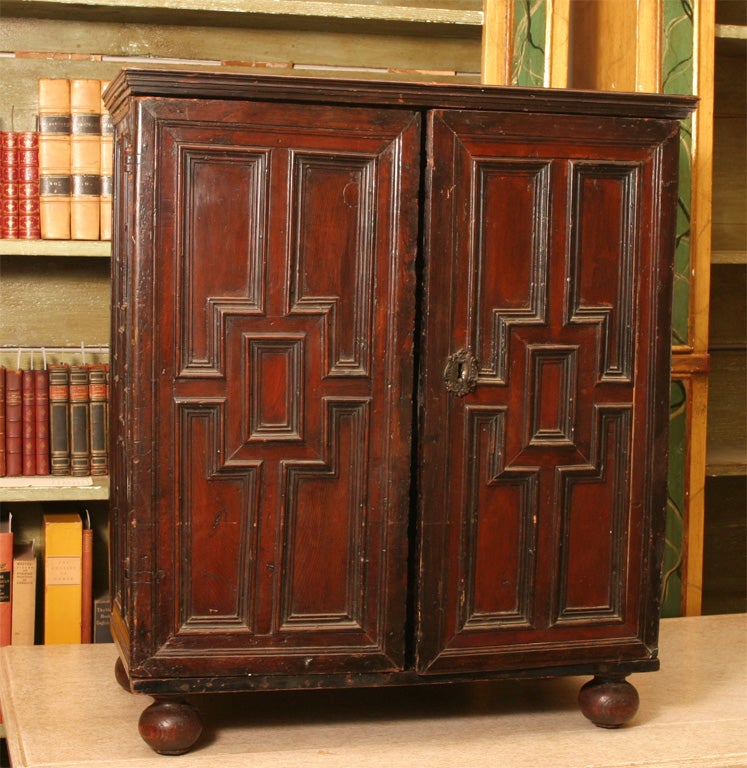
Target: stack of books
{"x": 70, "y": 613}
{"x": 56, "y": 183}
{"x": 54, "y": 421}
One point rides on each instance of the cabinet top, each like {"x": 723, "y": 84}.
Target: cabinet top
{"x": 170, "y": 83}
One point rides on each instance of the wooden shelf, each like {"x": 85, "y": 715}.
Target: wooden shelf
{"x": 67, "y": 248}
{"x": 54, "y": 488}
{"x": 457, "y": 15}
{"x": 729, "y": 257}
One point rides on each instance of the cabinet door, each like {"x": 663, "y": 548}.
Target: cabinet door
{"x": 275, "y": 309}
{"x": 542, "y": 463}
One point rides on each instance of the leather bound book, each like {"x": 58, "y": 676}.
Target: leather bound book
{"x": 107, "y": 157}
{"x": 85, "y": 159}
{"x": 8, "y": 185}
{"x": 80, "y": 456}
{"x": 13, "y": 427}
{"x": 29, "y": 223}
{"x": 97, "y": 390}
{"x": 86, "y": 597}
{"x": 59, "y": 418}
{"x": 28, "y": 423}
{"x": 41, "y": 431}
{"x": 3, "y": 468}
{"x": 54, "y": 158}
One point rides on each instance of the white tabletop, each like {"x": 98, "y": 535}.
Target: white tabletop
{"x": 63, "y": 708}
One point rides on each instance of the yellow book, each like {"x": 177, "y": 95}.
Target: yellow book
{"x": 63, "y": 554}
{"x": 54, "y": 158}
{"x": 85, "y": 158}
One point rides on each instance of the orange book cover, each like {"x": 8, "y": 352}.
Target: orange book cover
{"x": 6, "y": 580}
{"x": 107, "y": 158}
{"x": 54, "y": 158}
{"x": 63, "y": 578}
{"x": 24, "y": 593}
{"x": 86, "y": 625}
{"x": 85, "y": 158}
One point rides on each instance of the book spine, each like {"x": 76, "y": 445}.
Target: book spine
{"x": 6, "y": 581}
{"x": 13, "y": 423}
{"x": 107, "y": 158}
{"x": 86, "y": 622}
{"x": 29, "y": 223}
{"x": 63, "y": 550}
{"x": 23, "y": 596}
{"x": 85, "y": 159}
{"x": 59, "y": 418}
{"x": 80, "y": 450}
{"x": 28, "y": 420}
{"x": 54, "y": 158}
{"x": 102, "y": 617}
{"x": 41, "y": 434}
{"x": 9, "y": 179}
{"x": 99, "y": 439}
{"x": 3, "y": 466}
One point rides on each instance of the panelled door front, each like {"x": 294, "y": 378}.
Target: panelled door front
{"x": 543, "y": 414}
{"x": 283, "y": 266}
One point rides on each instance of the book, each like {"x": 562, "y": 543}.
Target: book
{"x": 6, "y": 580}
{"x": 107, "y": 158}
{"x": 102, "y": 617}
{"x": 9, "y": 184}
{"x": 80, "y": 449}
{"x": 86, "y": 600}
{"x": 98, "y": 376}
{"x": 41, "y": 427}
{"x": 54, "y": 158}
{"x": 29, "y": 223}
{"x": 59, "y": 418}
{"x": 13, "y": 423}
{"x": 23, "y": 613}
{"x": 63, "y": 573}
{"x": 85, "y": 158}
{"x": 28, "y": 423}
{"x": 3, "y": 468}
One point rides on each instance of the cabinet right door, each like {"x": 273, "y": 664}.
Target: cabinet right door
{"x": 544, "y": 389}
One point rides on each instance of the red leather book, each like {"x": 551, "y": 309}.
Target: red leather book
{"x": 41, "y": 432}
{"x": 59, "y": 418}
{"x": 3, "y": 468}
{"x": 28, "y": 423}
{"x": 29, "y": 221}
{"x": 13, "y": 426}
{"x": 8, "y": 184}
{"x": 86, "y": 584}
{"x": 80, "y": 450}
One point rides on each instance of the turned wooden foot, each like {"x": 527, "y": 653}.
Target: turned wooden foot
{"x": 170, "y": 727}
{"x": 120, "y": 674}
{"x": 608, "y": 701}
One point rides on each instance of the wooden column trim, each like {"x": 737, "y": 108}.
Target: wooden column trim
{"x": 497, "y": 42}
{"x": 557, "y": 39}
{"x": 648, "y": 46}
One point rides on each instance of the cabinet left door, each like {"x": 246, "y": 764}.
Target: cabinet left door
{"x": 265, "y": 316}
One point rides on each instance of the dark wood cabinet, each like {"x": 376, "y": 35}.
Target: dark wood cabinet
{"x": 390, "y": 384}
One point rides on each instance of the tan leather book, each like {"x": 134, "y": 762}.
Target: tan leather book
{"x": 107, "y": 158}
{"x": 54, "y": 158}
{"x": 85, "y": 158}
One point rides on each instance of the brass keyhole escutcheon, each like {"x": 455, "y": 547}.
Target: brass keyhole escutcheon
{"x": 460, "y": 373}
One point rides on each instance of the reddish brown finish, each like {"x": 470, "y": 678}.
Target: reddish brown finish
{"x": 608, "y": 702}
{"x": 390, "y": 380}
{"x": 170, "y": 727}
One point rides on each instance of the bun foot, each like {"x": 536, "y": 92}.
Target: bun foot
{"x": 609, "y": 701}
{"x": 170, "y": 727}
{"x": 120, "y": 674}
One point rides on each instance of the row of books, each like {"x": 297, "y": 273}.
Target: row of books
{"x": 70, "y": 612}
{"x": 56, "y": 183}
{"x": 54, "y": 421}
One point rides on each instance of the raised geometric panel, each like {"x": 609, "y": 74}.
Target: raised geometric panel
{"x": 216, "y": 507}
{"x": 333, "y": 275}
{"x": 500, "y": 529}
{"x": 602, "y": 273}
{"x": 224, "y": 190}
{"x": 514, "y": 196}
{"x": 551, "y": 394}
{"x": 594, "y": 503}
{"x": 274, "y": 377}
{"x": 325, "y": 515}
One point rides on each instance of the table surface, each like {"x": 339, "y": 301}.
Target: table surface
{"x": 63, "y": 708}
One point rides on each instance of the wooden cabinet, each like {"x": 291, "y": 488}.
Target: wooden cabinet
{"x": 390, "y": 385}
